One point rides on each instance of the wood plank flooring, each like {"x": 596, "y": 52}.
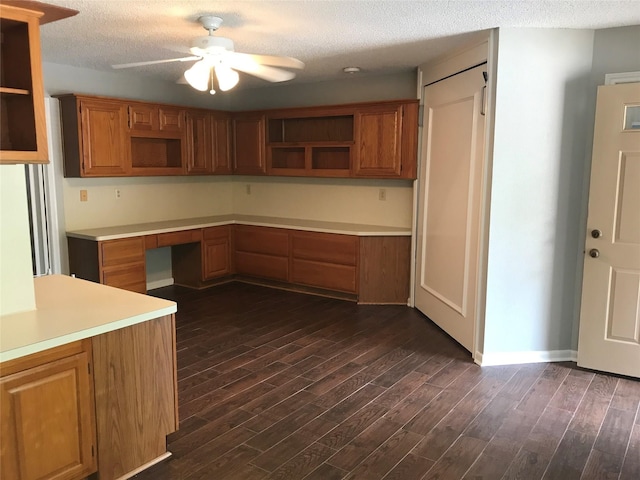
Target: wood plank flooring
{"x": 279, "y": 385}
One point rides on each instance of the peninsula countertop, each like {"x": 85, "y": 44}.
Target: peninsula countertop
{"x": 70, "y": 309}
{"x": 141, "y": 229}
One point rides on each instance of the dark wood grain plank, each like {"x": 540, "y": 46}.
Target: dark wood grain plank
{"x": 457, "y": 460}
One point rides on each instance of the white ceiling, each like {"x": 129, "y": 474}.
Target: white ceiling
{"x": 380, "y": 36}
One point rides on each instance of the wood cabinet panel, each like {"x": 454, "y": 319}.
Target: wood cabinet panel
{"x": 128, "y": 277}
{"x": 324, "y": 275}
{"x": 170, "y": 119}
{"x": 178, "y": 238}
{"x": 47, "y": 422}
{"x": 103, "y": 138}
{"x": 249, "y": 144}
{"x": 262, "y": 266}
{"x": 378, "y": 142}
{"x": 199, "y": 151}
{"x": 385, "y": 264}
{"x": 122, "y": 251}
{"x": 325, "y": 247}
{"x": 216, "y": 255}
{"x": 23, "y": 131}
{"x": 143, "y": 117}
{"x": 135, "y": 395}
{"x": 221, "y": 144}
{"x": 264, "y": 240}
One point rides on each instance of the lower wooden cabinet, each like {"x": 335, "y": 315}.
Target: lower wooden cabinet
{"x": 325, "y": 260}
{"x": 262, "y": 252}
{"x": 216, "y": 252}
{"x": 47, "y": 427}
{"x": 135, "y": 395}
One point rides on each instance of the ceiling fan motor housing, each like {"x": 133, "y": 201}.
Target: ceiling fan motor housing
{"x": 209, "y": 44}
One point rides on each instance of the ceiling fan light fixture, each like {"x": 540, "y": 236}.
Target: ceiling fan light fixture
{"x": 351, "y": 70}
{"x": 198, "y": 76}
{"x": 227, "y": 78}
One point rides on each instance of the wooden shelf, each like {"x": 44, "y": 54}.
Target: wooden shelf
{"x": 14, "y": 91}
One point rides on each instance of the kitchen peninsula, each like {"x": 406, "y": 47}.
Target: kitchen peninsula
{"x": 88, "y": 382}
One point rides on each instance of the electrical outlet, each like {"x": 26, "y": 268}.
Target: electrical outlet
{"x": 248, "y": 189}
{"x": 382, "y": 194}
{"x": 84, "y": 196}
{"x": 118, "y": 193}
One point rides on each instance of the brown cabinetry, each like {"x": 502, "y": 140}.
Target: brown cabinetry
{"x": 47, "y": 427}
{"x": 208, "y": 143}
{"x": 117, "y": 263}
{"x": 325, "y": 260}
{"x": 135, "y": 395}
{"x": 386, "y": 141}
{"x": 216, "y": 252}
{"x": 155, "y": 118}
{"x": 23, "y": 133}
{"x": 249, "y": 144}
{"x": 262, "y": 252}
{"x": 95, "y": 137}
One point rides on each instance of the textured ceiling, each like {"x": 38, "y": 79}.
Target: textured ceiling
{"x": 379, "y": 36}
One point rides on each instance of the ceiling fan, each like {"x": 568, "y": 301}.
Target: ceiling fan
{"x": 216, "y": 56}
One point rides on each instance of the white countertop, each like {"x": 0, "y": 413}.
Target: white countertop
{"x": 125, "y": 231}
{"x": 70, "y": 309}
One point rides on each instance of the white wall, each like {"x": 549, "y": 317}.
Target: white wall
{"x": 16, "y": 274}
{"x": 536, "y": 184}
{"x": 337, "y": 200}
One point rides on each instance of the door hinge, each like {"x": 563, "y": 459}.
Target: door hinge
{"x": 89, "y": 368}
{"x": 128, "y": 117}
{"x": 420, "y": 115}
{"x": 93, "y": 451}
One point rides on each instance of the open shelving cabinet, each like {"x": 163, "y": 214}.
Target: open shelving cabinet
{"x": 305, "y": 146}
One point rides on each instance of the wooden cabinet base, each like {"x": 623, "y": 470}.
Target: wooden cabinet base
{"x": 136, "y": 395}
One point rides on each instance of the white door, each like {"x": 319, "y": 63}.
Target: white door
{"x": 610, "y": 313}
{"x": 449, "y": 203}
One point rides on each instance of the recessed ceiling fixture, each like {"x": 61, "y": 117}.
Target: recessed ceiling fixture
{"x": 216, "y": 57}
{"x": 351, "y": 69}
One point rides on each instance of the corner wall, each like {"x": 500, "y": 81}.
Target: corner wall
{"x": 538, "y": 162}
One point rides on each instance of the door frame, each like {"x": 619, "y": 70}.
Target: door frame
{"x": 484, "y": 48}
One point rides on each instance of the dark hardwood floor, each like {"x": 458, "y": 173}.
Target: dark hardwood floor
{"x": 279, "y": 385}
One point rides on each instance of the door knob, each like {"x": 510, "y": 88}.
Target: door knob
{"x": 594, "y": 253}
{"x": 595, "y": 233}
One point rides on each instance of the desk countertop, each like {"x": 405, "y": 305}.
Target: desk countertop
{"x": 70, "y": 309}
{"x": 126, "y": 231}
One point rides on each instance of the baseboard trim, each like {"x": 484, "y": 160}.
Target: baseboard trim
{"x": 513, "y": 358}
{"x": 164, "y": 282}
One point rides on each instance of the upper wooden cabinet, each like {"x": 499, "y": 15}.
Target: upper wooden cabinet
{"x": 386, "y": 140}
{"x": 111, "y": 137}
{"x": 94, "y": 137}
{"x": 248, "y": 144}
{"x": 208, "y": 143}
{"x": 156, "y": 118}
{"x": 23, "y": 132}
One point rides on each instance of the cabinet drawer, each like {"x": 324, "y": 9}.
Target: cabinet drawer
{"x": 178, "y": 238}
{"x": 120, "y": 252}
{"x": 270, "y": 241}
{"x": 265, "y": 266}
{"x": 325, "y": 247}
{"x": 324, "y": 275}
{"x": 213, "y": 233}
{"x": 129, "y": 277}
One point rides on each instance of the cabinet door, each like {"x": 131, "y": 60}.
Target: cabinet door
{"x": 47, "y": 427}
{"x": 199, "y": 154}
{"x": 143, "y": 118}
{"x": 221, "y": 144}
{"x": 216, "y": 253}
{"x": 171, "y": 119}
{"x": 105, "y": 149}
{"x": 248, "y": 145}
{"x": 378, "y": 147}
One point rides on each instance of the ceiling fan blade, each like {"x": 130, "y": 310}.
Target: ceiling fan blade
{"x": 274, "y": 61}
{"x": 270, "y": 74}
{"x": 154, "y": 62}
